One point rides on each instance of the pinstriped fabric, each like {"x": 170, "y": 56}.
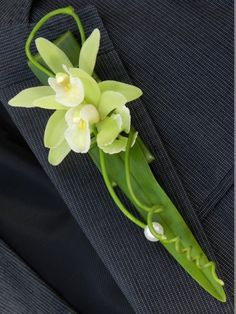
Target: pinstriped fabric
{"x": 214, "y": 198}
{"x": 13, "y": 11}
{"x": 21, "y": 291}
{"x": 187, "y": 50}
{"x": 149, "y": 278}
{"x": 223, "y": 214}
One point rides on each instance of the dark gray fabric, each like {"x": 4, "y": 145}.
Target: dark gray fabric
{"x": 22, "y": 291}
{"x": 221, "y": 243}
{"x": 180, "y": 55}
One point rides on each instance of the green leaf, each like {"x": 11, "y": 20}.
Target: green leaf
{"x": 92, "y": 90}
{"x": 89, "y": 51}
{"x": 27, "y": 97}
{"x": 53, "y": 56}
{"x": 48, "y": 102}
{"x": 145, "y": 150}
{"x": 130, "y": 92}
{"x": 70, "y": 46}
{"x": 109, "y": 101}
{"x": 108, "y": 130}
{"x": 57, "y": 154}
{"x": 149, "y": 192}
{"x": 55, "y": 129}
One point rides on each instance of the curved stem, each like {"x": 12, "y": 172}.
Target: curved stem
{"x": 150, "y": 225}
{"x": 113, "y": 193}
{"x": 67, "y": 11}
{"x": 128, "y": 177}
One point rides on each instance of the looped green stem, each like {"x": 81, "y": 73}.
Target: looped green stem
{"x": 67, "y": 11}
{"x": 113, "y": 193}
{"x": 154, "y": 210}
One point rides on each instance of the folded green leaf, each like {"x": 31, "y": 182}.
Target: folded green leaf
{"x": 89, "y": 51}
{"x": 129, "y": 91}
{"x": 149, "y": 192}
{"x": 55, "y": 129}
{"x": 58, "y": 153}
{"x": 53, "y": 56}
{"x": 27, "y": 97}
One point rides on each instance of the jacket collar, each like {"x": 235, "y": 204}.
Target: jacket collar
{"x": 142, "y": 270}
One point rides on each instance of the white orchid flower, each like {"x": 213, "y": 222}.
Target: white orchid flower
{"x": 69, "y": 90}
{"x": 80, "y": 121}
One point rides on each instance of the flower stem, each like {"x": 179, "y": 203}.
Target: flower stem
{"x": 113, "y": 193}
{"x": 67, "y": 11}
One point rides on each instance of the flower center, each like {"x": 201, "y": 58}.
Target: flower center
{"x": 63, "y": 80}
{"x": 82, "y": 124}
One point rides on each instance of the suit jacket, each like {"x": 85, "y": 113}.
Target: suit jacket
{"x": 74, "y": 250}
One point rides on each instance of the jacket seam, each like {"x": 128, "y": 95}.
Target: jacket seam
{"x": 216, "y": 195}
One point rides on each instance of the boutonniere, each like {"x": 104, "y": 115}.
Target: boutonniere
{"x": 92, "y": 116}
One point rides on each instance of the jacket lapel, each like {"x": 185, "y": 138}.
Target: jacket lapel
{"x": 149, "y": 278}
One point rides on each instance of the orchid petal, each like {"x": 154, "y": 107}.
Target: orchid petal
{"x": 88, "y": 52}
{"x": 58, "y": 153}
{"x": 72, "y": 115}
{"x": 48, "y": 102}
{"x": 53, "y": 56}
{"x": 124, "y": 112}
{"x": 108, "y": 130}
{"x": 91, "y": 88}
{"x": 26, "y": 97}
{"x": 78, "y": 137}
{"x": 119, "y": 144}
{"x": 109, "y": 101}
{"x": 89, "y": 113}
{"x": 52, "y": 82}
{"x": 68, "y": 97}
{"x": 130, "y": 92}
{"x": 55, "y": 128}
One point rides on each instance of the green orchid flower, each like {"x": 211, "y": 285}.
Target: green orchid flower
{"x": 84, "y": 108}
